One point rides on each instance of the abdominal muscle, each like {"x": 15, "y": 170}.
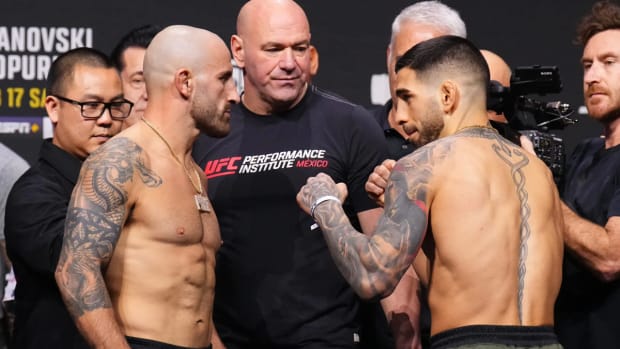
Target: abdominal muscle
{"x": 163, "y": 290}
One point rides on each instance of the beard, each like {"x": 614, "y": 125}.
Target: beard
{"x": 431, "y": 125}
{"x": 210, "y": 120}
{"x": 608, "y": 116}
{"x": 604, "y": 109}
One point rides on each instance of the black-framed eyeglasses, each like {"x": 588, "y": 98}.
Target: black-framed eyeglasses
{"x": 119, "y": 110}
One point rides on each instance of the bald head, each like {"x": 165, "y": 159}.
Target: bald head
{"x": 180, "y": 47}
{"x": 499, "y": 69}
{"x": 281, "y": 29}
{"x": 265, "y": 10}
{"x": 500, "y": 72}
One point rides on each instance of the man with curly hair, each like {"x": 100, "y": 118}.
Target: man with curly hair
{"x": 589, "y": 299}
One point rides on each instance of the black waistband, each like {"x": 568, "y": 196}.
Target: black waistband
{"x": 506, "y": 335}
{"x": 143, "y": 343}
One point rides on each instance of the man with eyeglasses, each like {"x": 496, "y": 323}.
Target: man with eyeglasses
{"x": 86, "y": 106}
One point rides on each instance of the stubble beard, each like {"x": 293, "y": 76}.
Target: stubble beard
{"x": 431, "y": 126}
{"x": 211, "y": 121}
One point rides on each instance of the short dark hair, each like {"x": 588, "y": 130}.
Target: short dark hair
{"x": 604, "y": 15}
{"x": 446, "y": 53}
{"x": 63, "y": 67}
{"x": 138, "y": 37}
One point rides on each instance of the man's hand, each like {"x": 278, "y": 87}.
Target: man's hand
{"x": 320, "y": 186}
{"x": 527, "y": 144}
{"x": 377, "y": 181}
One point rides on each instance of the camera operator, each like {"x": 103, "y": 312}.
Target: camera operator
{"x": 589, "y": 301}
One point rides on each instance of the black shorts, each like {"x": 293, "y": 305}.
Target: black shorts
{"x": 141, "y": 343}
{"x": 491, "y": 337}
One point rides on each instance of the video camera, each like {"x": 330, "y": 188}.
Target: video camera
{"x": 534, "y": 118}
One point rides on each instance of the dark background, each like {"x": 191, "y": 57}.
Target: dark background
{"x": 351, "y": 37}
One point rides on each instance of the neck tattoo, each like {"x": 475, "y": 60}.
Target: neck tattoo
{"x": 479, "y": 128}
{"x": 202, "y": 201}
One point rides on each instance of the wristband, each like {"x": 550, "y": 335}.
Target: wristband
{"x": 321, "y": 200}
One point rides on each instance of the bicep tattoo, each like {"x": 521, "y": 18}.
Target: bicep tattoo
{"x": 94, "y": 221}
{"x": 403, "y": 225}
{"x": 402, "y": 228}
{"x": 375, "y": 265}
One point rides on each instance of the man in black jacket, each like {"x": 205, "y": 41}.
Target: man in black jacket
{"x": 86, "y": 106}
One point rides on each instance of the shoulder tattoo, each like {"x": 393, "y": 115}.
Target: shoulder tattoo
{"x": 94, "y": 220}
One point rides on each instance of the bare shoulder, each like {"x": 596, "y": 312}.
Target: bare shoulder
{"x": 501, "y": 147}
{"x": 109, "y": 171}
{"x": 117, "y": 148}
{"x": 414, "y": 173}
{"x": 428, "y": 159}
{"x": 429, "y": 155}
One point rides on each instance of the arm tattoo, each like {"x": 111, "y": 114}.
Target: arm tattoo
{"x": 90, "y": 239}
{"x": 94, "y": 221}
{"x": 374, "y": 265}
{"x": 515, "y": 157}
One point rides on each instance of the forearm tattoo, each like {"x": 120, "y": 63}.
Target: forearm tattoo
{"x": 94, "y": 220}
{"x": 373, "y": 266}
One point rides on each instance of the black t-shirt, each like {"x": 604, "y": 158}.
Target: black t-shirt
{"x": 276, "y": 284}
{"x": 587, "y": 308}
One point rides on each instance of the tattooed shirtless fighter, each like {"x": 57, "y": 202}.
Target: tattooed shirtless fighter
{"x": 137, "y": 264}
{"x": 485, "y": 212}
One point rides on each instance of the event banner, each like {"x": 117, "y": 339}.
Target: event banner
{"x": 351, "y": 36}
{"x": 26, "y": 54}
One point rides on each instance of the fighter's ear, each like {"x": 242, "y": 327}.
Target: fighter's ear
{"x": 450, "y": 96}
{"x": 183, "y": 82}
{"x": 236, "y": 46}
